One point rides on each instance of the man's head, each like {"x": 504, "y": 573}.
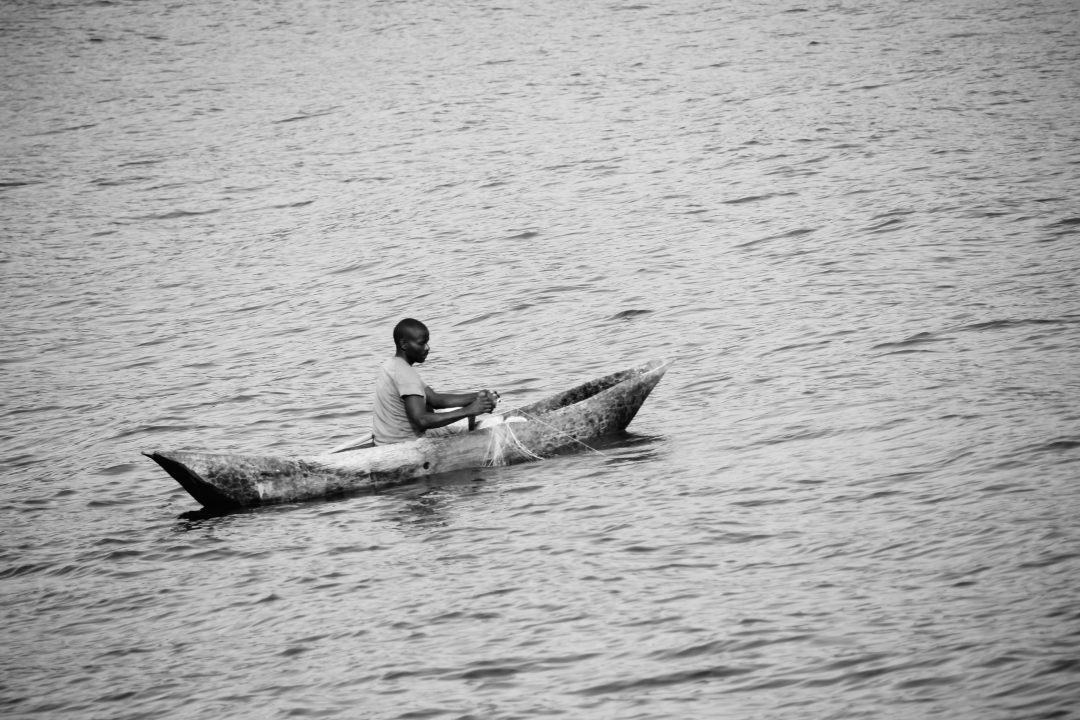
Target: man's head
{"x": 411, "y": 340}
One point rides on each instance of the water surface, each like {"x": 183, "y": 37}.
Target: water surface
{"x": 853, "y": 225}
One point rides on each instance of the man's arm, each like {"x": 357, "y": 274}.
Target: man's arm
{"x": 444, "y": 401}
{"x": 421, "y": 415}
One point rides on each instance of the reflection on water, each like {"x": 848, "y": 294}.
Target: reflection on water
{"x": 433, "y": 501}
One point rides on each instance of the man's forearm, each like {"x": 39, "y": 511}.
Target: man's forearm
{"x": 443, "y": 401}
{"x": 422, "y": 416}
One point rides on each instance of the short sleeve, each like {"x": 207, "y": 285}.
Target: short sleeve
{"x": 409, "y": 381}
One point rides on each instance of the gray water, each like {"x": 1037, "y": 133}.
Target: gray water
{"x": 853, "y": 225}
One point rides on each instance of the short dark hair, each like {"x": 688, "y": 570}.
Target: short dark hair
{"x": 403, "y": 326}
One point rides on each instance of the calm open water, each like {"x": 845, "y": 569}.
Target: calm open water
{"x": 854, "y": 224}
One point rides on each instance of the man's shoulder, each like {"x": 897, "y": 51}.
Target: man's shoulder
{"x": 394, "y": 364}
{"x": 404, "y": 375}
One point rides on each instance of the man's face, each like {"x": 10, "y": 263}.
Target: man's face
{"x": 415, "y": 345}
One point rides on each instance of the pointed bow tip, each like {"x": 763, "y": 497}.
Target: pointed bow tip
{"x": 161, "y": 456}
{"x": 660, "y": 365}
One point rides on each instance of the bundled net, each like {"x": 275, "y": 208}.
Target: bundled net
{"x": 504, "y": 446}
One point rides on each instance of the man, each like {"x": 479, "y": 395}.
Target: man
{"x": 405, "y": 406}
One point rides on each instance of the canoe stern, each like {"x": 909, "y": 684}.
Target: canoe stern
{"x": 182, "y": 468}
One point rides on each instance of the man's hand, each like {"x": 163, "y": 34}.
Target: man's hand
{"x": 484, "y": 403}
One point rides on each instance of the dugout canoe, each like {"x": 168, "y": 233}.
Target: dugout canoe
{"x": 562, "y": 422}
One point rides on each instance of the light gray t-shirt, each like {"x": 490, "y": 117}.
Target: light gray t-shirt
{"x": 390, "y": 423}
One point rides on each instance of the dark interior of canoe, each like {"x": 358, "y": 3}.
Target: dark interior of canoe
{"x": 580, "y": 392}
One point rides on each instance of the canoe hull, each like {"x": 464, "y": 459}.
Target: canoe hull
{"x": 558, "y": 423}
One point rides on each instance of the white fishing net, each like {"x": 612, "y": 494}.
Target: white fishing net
{"x": 504, "y": 447}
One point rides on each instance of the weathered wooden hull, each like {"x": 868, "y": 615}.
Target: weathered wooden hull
{"x": 557, "y": 423}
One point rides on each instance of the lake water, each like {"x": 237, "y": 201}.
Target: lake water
{"x": 854, "y": 225}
